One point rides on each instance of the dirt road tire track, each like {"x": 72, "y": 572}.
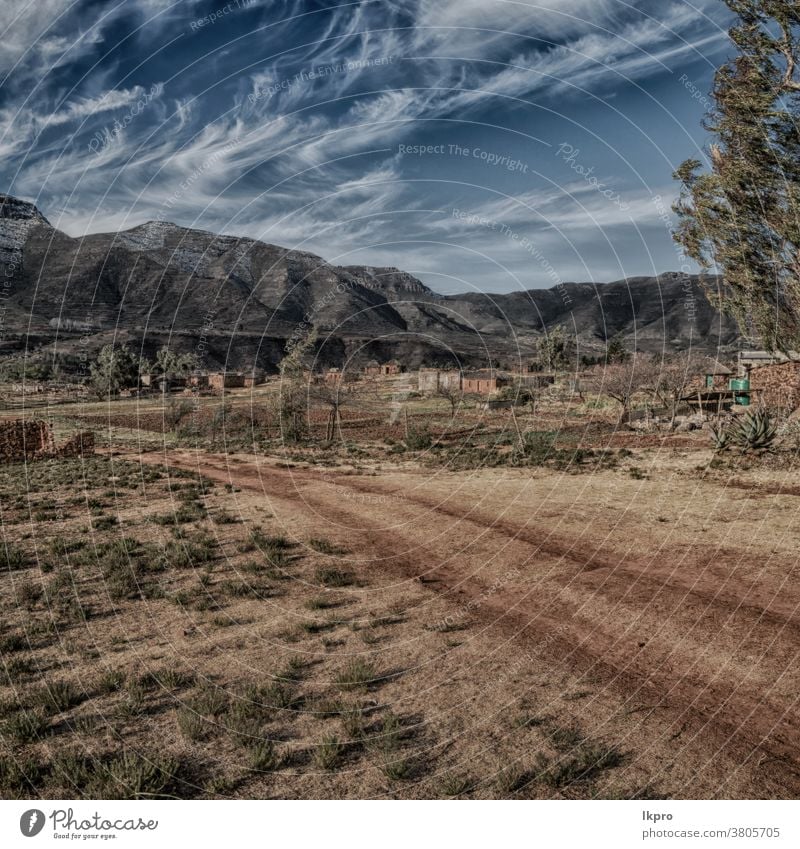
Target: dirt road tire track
{"x": 729, "y": 731}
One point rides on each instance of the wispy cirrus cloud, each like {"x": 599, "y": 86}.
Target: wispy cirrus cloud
{"x": 317, "y": 100}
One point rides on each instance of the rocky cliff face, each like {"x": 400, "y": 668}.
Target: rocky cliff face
{"x": 160, "y": 282}
{"x": 17, "y": 219}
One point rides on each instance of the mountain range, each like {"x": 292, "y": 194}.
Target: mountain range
{"x": 239, "y": 301}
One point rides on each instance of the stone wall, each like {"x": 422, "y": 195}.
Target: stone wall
{"x": 32, "y": 440}
{"x": 24, "y": 440}
{"x": 776, "y": 386}
{"x": 80, "y": 445}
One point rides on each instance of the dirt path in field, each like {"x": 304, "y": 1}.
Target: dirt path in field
{"x": 678, "y": 635}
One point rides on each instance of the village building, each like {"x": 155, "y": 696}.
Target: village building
{"x": 716, "y": 375}
{"x": 483, "y": 383}
{"x": 199, "y": 380}
{"x": 375, "y": 369}
{"x": 535, "y": 381}
{"x": 220, "y": 380}
{"x": 432, "y": 379}
{"x": 255, "y": 378}
{"x": 754, "y": 359}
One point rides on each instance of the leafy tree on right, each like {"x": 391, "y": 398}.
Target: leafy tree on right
{"x": 743, "y": 217}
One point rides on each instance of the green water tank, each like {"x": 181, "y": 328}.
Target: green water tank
{"x": 740, "y": 386}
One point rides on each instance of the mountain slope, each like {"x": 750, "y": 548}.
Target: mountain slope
{"x": 159, "y": 283}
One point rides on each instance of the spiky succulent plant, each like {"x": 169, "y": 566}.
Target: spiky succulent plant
{"x": 720, "y": 440}
{"x": 753, "y": 432}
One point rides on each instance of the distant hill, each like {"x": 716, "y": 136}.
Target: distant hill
{"x": 240, "y": 300}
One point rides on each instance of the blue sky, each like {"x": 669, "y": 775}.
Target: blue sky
{"x": 489, "y": 145}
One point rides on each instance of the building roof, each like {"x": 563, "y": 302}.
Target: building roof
{"x": 769, "y": 356}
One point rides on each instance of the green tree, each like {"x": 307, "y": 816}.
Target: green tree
{"x": 114, "y": 369}
{"x": 555, "y": 349}
{"x": 170, "y": 364}
{"x": 616, "y": 351}
{"x": 743, "y": 216}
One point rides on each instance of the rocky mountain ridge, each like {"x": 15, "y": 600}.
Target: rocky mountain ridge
{"x": 160, "y": 283}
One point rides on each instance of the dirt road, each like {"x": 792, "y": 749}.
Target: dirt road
{"x": 661, "y": 614}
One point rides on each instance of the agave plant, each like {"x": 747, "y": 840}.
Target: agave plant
{"x": 753, "y": 432}
{"x": 720, "y": 439}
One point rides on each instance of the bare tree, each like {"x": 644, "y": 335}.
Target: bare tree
{"x": 623, "y": 381}
{"x": 334, "y": 397}
{"x": 674, "y": 379}
{"x": 295, "y": 370}
{"x": 452, "y": 393}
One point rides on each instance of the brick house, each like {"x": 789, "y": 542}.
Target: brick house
{"x": 376, "y": 369}
{"x": 199, "y": 380}
{"x": 255, "y": 378}
{"x": 755, "y": 359}
{"x": 483, "y": 383}
{"x": 225, "y": 380}
{"x": 431, "y": 379}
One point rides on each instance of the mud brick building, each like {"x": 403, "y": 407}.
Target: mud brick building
{"x": 376, "y": 369}
{"x": 755, "y": 359}
{"x": 254, "y": 379}
{"x": 431, "y": 379}
{"x": 225, "y": 380}
{"x": 777, "y": 386}
{"x": 483, "y": 383}
{"x": 535, "y": 381}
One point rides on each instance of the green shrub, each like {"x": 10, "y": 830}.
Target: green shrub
{"x": 11, "y": 557}
{"x": 359, "y": 674}
{"x": 27, "y": 726}
{"x": 323, "y": 546}
{"x": 330, "y": 577}
{"x": 58, "y": 696}
{"x": 418, "y": 439}
{"x": 192, "y": 725}
{"x": 104, "y": 523}
{"x": 211, "y": 700}
{"x": 455, "y": 784}
{"x": 587, "y": 763}
{"x": 511, "y": 779}
{"x": 537, "y": 446}
{"x": 111, "y": 682}
{"x": 328, "y": 754}
{"x": 13, "y": 642}
{"x": 264, "y": 757}
{"x": 134, "y": 776}
{"x": 28, "y": 593}
{"x": 397, "y": 768}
